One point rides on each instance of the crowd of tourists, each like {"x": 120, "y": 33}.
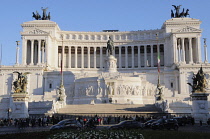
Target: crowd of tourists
{"x": 43, "y": 121}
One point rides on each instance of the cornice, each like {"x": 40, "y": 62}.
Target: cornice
{"x": 116, "y": 43}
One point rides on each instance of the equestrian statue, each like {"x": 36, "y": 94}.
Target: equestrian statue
{"x": 110, "y": 46}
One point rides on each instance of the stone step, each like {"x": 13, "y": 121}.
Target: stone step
{"x": 109, "y": 108}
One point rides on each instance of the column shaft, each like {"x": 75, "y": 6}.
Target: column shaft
{"x": 101, "y": 57}
{"x": 198, "y": 49}
{"x": 120, "y": 57}
{"x": 175, "y": 50}
{"x": 145, "y": 55}
{"x": 39, "y": 51}
{"x": 69, "y": 56}
{"x": 88, "y": 57}
{"x": 126, "y": 56}
{"x": 139, "y": 56}
{"x": 32, "y": 52}
{"x": 132, "y": 50}
{"x": 24, "y": 49}
{"x": 75, "y": 62}
{"x": 82, "y": 57}
{"x": 94, "y": 57}
{"x": 183, "y": 51}
{"x": 43, "y": 54}
{"x": 190, "y": 51}
{"x": 152, "y": 56}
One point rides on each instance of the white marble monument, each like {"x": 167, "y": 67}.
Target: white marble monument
{"x": 129, "y": 76}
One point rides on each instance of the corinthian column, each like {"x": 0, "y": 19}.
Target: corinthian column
{"x": 145, "y": 55}
{"x": 94, "y": 57}
{"x": 82, "y": 56}
{"x": 190, "y": 51}
{"x": 120, "y": 57}
{"x": 24, "y": 51}
{"x": 183, "y": 51}
{"x": 69, "y": 56}
{"x": 39, "y": 50}
{"x": 32, "y": 52}
{"x": 88, "y": 56}
{"x": 101, "y": 57}
{"x": 75, "y": 56}
{"x": 198, "y": 49}
{"x": 132, "y": 49}
{"x": 152, "y": 56}
{"x": 139, "y": 57}
{"x": 126, "y": 56}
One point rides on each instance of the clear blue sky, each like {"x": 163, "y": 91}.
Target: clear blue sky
{"x": 94, "y": 15}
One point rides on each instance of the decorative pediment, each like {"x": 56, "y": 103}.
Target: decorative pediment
{"x": 188, "y": 29}
{"x": 35, "y": 32}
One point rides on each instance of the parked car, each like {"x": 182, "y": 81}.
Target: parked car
{"x": 147, "y": 124}
{"x": 165, "y": 124}
{"x": 127, "y": 124}
{"x": 182, "y": 121}
{"x": 90, "y": 124}
{"x": 67, "y": 124}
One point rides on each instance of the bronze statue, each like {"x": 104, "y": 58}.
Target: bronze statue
{"x": 159, "y": 94}
{"x": 172, "y": 14}
{"x": 36, "y": 16}
{"x": 177, "y": 13}
{"x": 110, "y": 46}
{"x": 177, "y": 8}
{"x": 20, "y": 84}
{"x": 182, "y": 13}
{"x": 44, "y": 16}
{"x": 199, "y": 82}
{"x": 186, "y": 13}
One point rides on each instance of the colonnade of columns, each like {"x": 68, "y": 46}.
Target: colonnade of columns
{"x": 34, "y": 52}
{"x": 127, "y": 56}
{"x": 187, "y": 50}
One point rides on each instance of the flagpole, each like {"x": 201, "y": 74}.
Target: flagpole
{"x": 62, "y": 95}
{"x": 62, "y": 63}
{"x": 158, "y": 60}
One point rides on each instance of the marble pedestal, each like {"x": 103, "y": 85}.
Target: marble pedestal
{"x": 200, "y": 107}
{"x": 20, "y": 105}
{"x": 62, "y": 95}
{"x": 111, "y": 64}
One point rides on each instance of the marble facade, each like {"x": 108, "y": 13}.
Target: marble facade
{"x": 86, "y": 77}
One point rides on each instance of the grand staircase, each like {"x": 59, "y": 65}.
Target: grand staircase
{"x": 109, "y": 109}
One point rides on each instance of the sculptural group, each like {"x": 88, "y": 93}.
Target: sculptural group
{"x": 20, "y": 83}
{"x": 37, "y": 16}
{"x": 177, "y": 14}
{"x": 199, "y": 82}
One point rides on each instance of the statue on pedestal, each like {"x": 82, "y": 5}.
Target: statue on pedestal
{"x": 199, "y": 82}
{"x": 110, "y": 46}
{"x": 20, "y": 84}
